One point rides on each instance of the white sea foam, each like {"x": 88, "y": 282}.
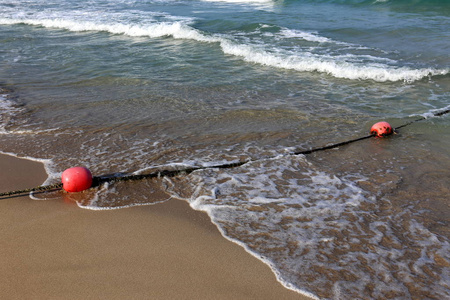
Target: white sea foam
{"x": 226, "y": 195}
{"x": 176, "y": 29}
{"x": 305, "y": 35}
{"x": 432, "y": 113}
{"x": 8, "y": 109}
{"x": 340, "y": 68}
{"x": 7, "y": 105}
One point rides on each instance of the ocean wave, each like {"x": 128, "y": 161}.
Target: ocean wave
{"x": 429, "y": 3}
{"x": 175, "y": 29}
{"x": 337, "y": 66}
{"x": 416, "y": 6}
{"x": 307, "y": 62}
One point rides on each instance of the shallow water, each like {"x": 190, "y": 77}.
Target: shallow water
{"x": 130, "y": 86}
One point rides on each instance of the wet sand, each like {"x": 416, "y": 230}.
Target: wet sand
{"x": 55, "y": 250}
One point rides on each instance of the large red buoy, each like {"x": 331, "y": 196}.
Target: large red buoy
{"x": 381, "y": 129}
{"x": 76, "y": 179}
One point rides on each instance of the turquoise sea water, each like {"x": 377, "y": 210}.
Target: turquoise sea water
{"x": 124, "y": 86}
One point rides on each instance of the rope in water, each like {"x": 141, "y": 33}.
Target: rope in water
{"x": 172, "y": 173}
{"x": 438, "y": 114}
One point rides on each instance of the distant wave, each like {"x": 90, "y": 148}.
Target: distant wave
{"x": 177, "y": 30}
{"x": 340, "y": 67}
{"x": 390, "y": 2}
{"x": 251, "y": 2}
{"x": 241, "y": 1}
{"x": 441, "y": 6}
{"x": 410, "y": 2}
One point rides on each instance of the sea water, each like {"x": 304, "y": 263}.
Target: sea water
{"x": 127, "y": 86}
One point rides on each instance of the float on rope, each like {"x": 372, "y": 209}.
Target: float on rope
{"x": 76, "y": 179}
{"x": 381, "y": 129}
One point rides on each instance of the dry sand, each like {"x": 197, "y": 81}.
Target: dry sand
{"x": 55, "y": 250}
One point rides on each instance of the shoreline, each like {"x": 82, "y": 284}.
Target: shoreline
{"x": 54, "y": 249}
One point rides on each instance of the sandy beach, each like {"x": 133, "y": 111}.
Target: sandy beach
{"x": 55, "y": 250}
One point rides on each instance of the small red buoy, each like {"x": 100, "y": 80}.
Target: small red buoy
{"x": 76, "y": 179}
{"x": 381, "y": 129}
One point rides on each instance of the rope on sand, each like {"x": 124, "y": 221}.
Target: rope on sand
{"x": 40, "y": 188}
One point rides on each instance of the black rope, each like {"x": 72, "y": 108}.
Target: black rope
{"x": 165, "y": 173}
{"x": 41, "y": 188}
{"x": 172, "y": 173}
{"x": 332, "y": 146}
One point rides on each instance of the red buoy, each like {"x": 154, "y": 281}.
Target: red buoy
{"x": 76, "y": 179}
{"x": 381, "y": 129}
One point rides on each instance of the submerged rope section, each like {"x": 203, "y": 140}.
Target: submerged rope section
{"x": 172, "y": 173}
